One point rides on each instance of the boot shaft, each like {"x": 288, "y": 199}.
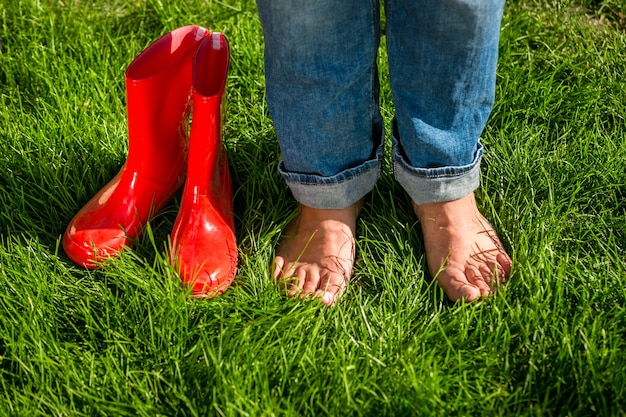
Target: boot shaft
{"x": 158, "y": 90}
{"x": 210, "y": 73}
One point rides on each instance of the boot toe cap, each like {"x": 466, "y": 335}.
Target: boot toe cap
{"x": 90, "y": 248}
{"x": 208, "y": 274}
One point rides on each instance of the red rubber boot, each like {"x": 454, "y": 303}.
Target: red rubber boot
{"x": 203, "y": 244}
{"x": 158, "y": 89}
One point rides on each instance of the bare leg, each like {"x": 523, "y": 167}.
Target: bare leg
{"x": 316, "y": 254}
{"x": 463, "y": 251}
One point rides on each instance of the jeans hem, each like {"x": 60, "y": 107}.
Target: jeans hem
{"x": 436, "y": 185}
{"x": 336, "y": 192}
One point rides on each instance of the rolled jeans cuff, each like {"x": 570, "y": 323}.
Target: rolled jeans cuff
{"x": 335, "y": 192}
{"x": 436, "y": 185}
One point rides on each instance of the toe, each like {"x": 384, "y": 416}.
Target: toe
{"x": 279, "y": 265}
{"x": 295, "y": 282}
{"x": 479, "y": 278}
{"x": 457, "y": 287}
{"x": 468, "y": 293}
{"x": 329, "y": 298}
{"x": 311, "y": 281}
{"x": 332, "y": 288}
{"x": 505, "y": 266}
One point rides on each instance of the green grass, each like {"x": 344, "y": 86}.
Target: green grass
{"x": 127, "y": 340}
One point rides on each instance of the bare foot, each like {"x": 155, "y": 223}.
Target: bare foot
{"x": 316, "y": 254}
{"x": 463, "y": 251}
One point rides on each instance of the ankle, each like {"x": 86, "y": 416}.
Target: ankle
{"x": 346, "y": 215}
{"x": 445, "y": 209}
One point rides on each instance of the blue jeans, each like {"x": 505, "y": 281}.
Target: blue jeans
{"x": 323, "y": 94}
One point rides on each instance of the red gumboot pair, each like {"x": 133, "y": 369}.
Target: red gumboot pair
{"x": 184, "y": 70}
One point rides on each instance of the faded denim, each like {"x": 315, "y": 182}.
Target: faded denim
{"x": 323, "y": 94}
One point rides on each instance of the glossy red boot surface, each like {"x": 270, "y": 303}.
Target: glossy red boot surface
{"x": 158, "y": 88}
{"x": 204, "y": 247}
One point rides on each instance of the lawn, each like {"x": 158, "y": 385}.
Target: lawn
{"x": 128, "y": 340}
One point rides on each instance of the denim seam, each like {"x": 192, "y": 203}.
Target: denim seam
{"x": 388, "y": 24}
{"x": 376, "y": 39}
{"x": 434, "y": 176}
{"x": 334, "y": 183}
